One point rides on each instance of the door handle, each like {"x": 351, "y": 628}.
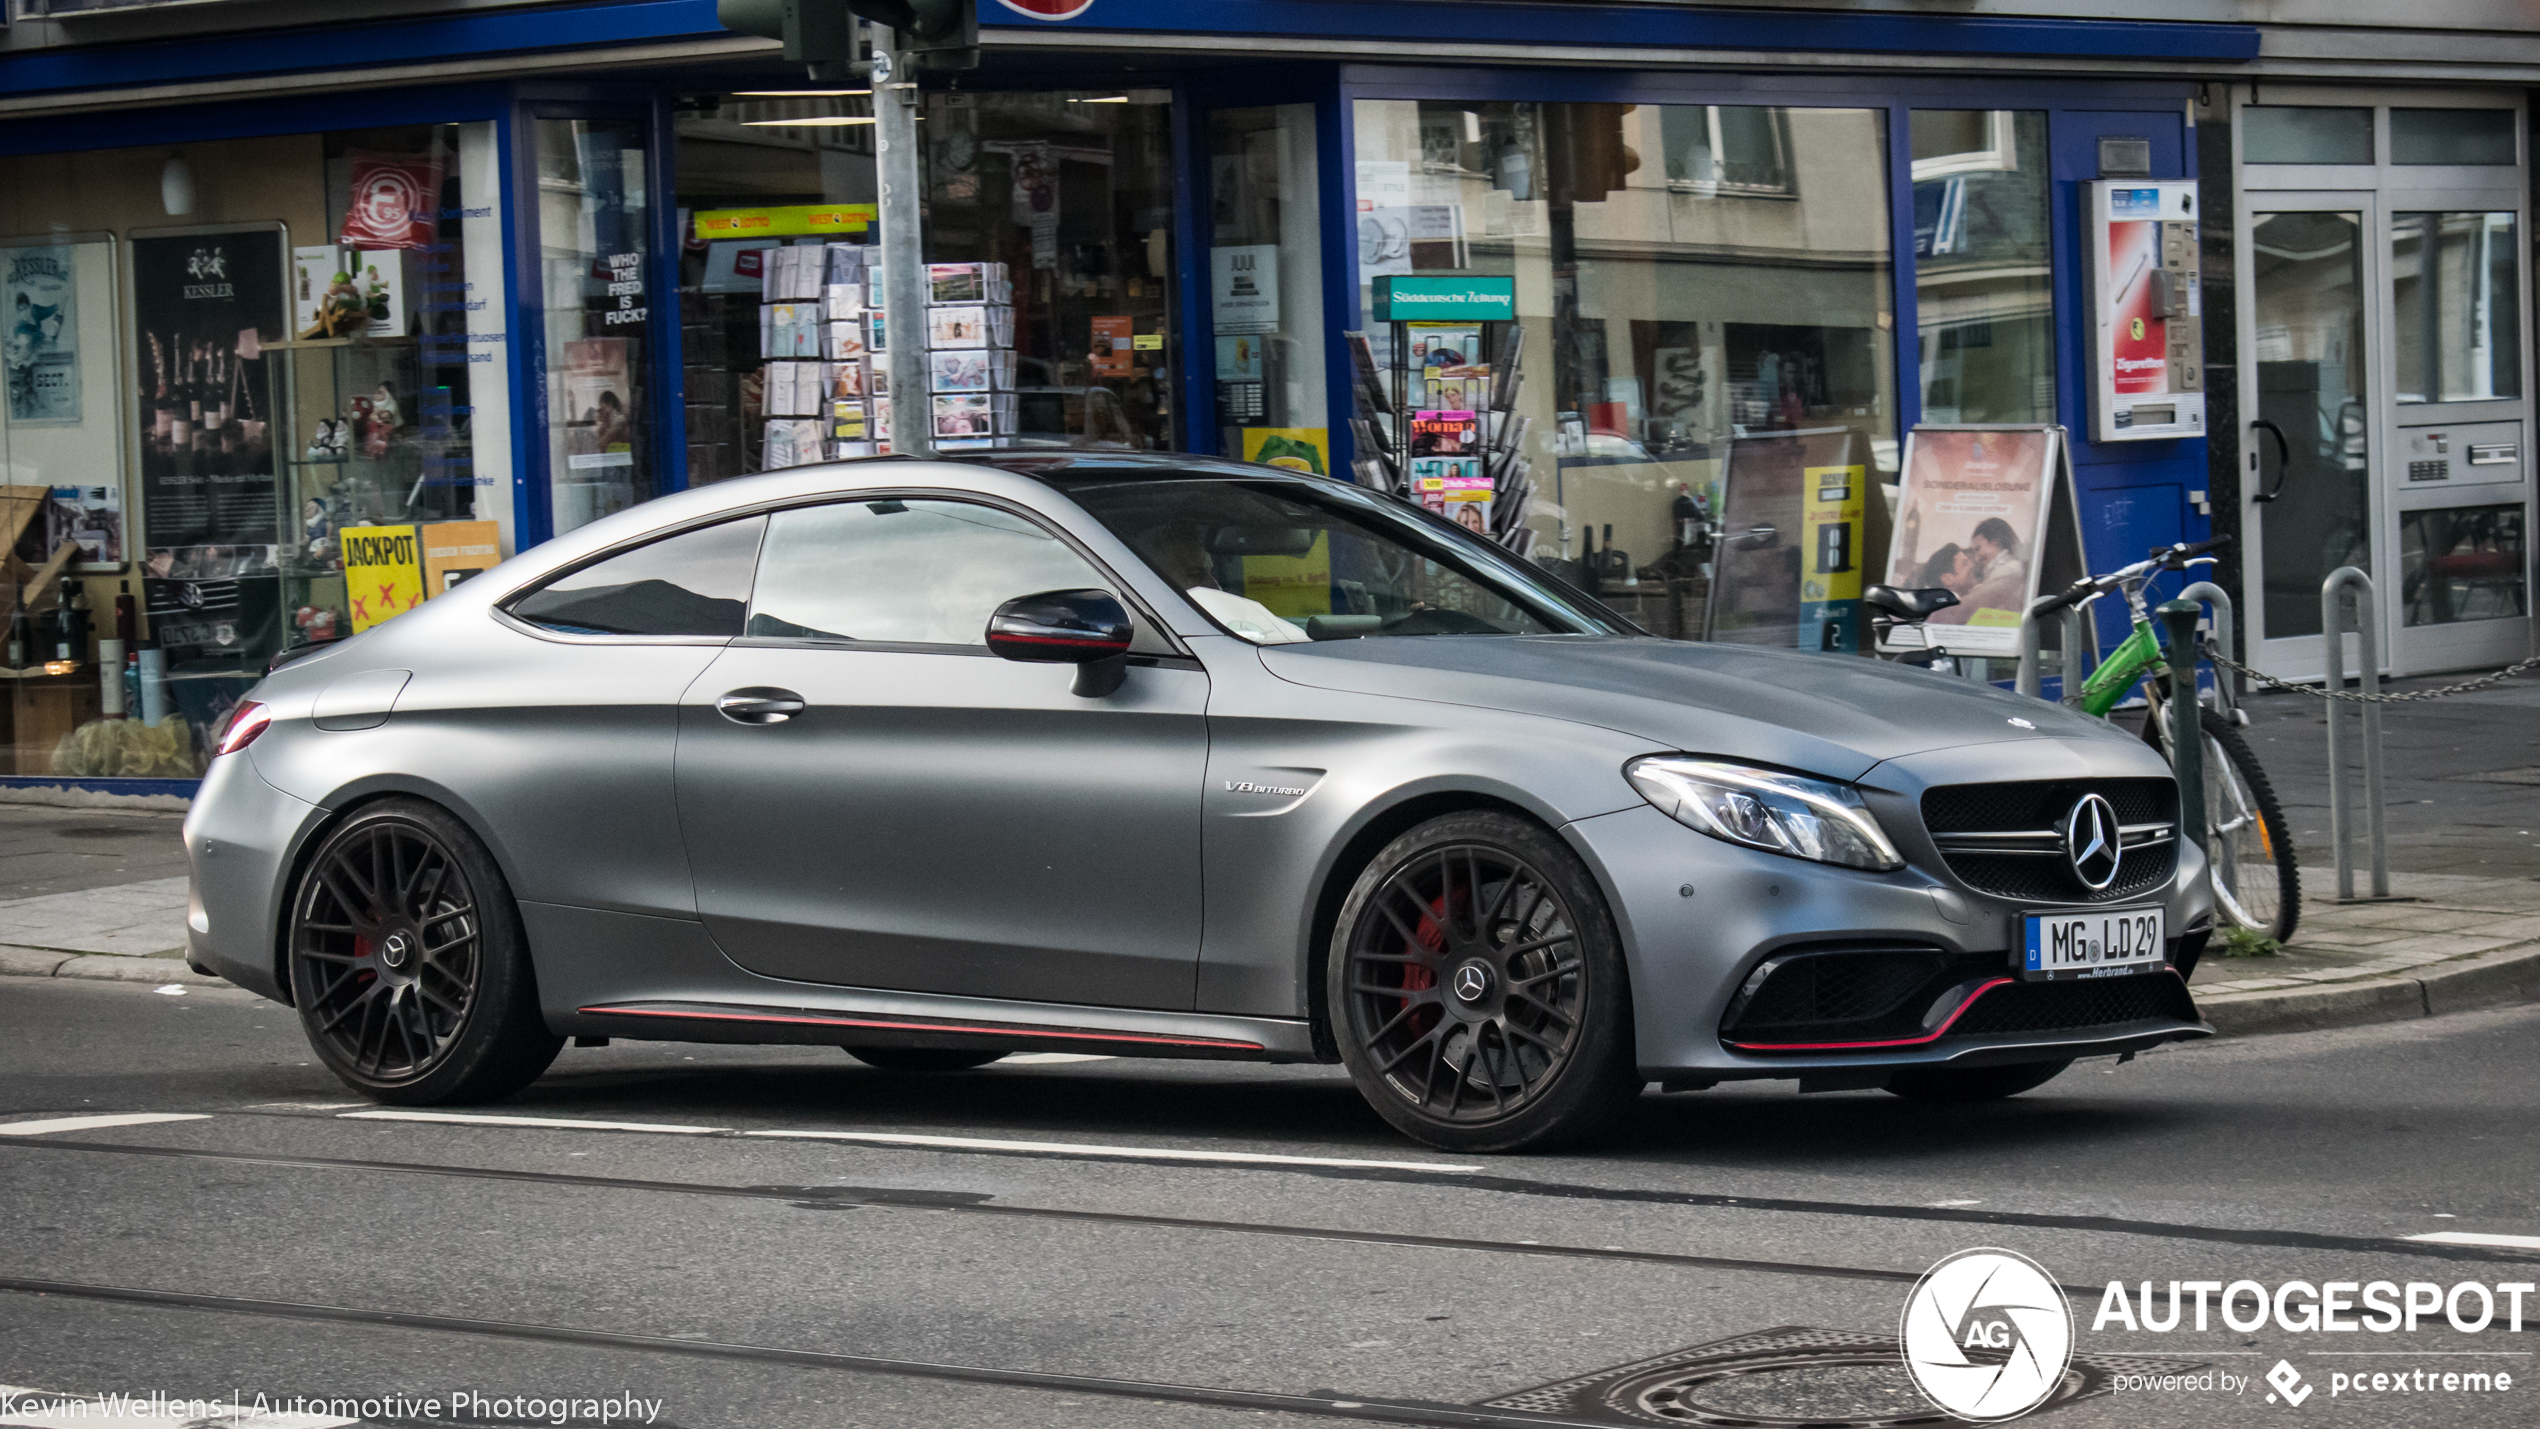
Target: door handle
{"x": 758, "y": 705}
{"x": 2283, "y": 459}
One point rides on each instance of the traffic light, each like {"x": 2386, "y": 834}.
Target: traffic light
{"x": 935, "y": 34}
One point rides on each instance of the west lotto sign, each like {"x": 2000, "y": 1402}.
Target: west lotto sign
{"x": 1049, "y": 9}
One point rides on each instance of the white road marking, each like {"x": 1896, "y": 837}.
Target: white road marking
{"x": 302, "y": 1106}
{"x": 1074, "y": 1148}
{"x": 174, "y": 989}
{"x": 1052, "y": 1059}
{"x": 2510, "y": 1242}
{"x": 462, "y": 1119}
{"x": 88, "y": 1123}
{"x": 55, "y": 1409}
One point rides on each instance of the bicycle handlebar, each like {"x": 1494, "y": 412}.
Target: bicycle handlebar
{"x": 2173, "y": 557}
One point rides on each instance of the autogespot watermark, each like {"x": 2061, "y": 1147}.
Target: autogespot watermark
{"x": 455, "y": 1405}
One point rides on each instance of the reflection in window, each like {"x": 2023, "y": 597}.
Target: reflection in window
{"x": 1265, "y": 219}
{"x": 694, "y": 583}
{"x": 1685, "y": 274}
{"x": 903, "y": 572}
{"x": 2452, "y": 136}
{"x": 2305, "y": 134}
{"x": 1983, "y": 277}
{"x": 2311, "y": 384}
{"x": 2457, "y": 301}
{"x": 2464, "y": 563}
{"x": 595, "y": 263}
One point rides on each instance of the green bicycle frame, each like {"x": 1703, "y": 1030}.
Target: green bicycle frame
{"x": 2134, "y": 657}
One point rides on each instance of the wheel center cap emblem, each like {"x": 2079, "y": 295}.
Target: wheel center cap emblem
{"x": 393, "y": 951}
{"x": 2093, "y": 841}
{"x": 1472, "y": 982}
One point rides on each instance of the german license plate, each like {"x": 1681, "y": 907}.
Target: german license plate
{"x": 2111, "y": 943}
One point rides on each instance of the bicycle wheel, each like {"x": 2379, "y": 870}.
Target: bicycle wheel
{"x": 2249, "y": 846}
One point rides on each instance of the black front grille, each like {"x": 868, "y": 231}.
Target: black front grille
{"x": 1848, "y": 994}
{"x": 2080, "y": 1003}
{"x": 2039, "y": 807}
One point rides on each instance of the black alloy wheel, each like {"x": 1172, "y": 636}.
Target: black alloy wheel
{"x": 1479, "y": 989}
{"x": 408, "y": 963}
{"x": 924, "y": 1059}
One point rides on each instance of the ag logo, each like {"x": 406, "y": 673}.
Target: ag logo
{"x": 1050, "y": 9}
{"x": 1987, "y": 1335}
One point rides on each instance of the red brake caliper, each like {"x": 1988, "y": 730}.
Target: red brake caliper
{"x": 1416, "y": 977}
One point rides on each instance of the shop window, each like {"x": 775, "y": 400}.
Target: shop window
{"x": 1073, "y": 193}
{"x": 1266, "y": 281}
{"x": 1686, "y": 278}
{"x": 2456, "y": 294}
{"x": 2305, "y": 134}
{"x": 595, "y": 256}
{"x": 258, "y": 397}
{"x": 1983, "y": 274}
{"x": 2463, "y": 563}
{"x": 903, "y": 572}
{"x": 2453, "y": 136}
{"x": 696, "y": 583}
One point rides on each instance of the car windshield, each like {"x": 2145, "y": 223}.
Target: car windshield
{"x": 1279, "y": 562}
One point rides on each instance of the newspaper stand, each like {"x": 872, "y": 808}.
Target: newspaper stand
{"x": 1493, "y": 463}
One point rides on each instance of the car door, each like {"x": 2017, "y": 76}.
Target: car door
{"x": 870, "y": 798}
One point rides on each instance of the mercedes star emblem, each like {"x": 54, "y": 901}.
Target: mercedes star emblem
{"x": 1471, "y": 982}
{"x": 393, "y": 951}
{"x": 2094, "y": 841}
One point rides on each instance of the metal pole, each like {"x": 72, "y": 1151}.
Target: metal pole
{"x": 2187, "y": 734}
{"x": 2221, "y": 601}
{"x": 2081, "y": 650}
{"x": 2368, "y": 641}
{"x": 2031, "y": 679}
{"x": 903, "y": 246}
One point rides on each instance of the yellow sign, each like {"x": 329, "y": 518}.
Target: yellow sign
{"x": 1836, "y": 501}
{"x": 786, "y": 222}
{"x": 1147, "y": 342}
{"x": 1296, "y": 448}
{"x": 383, "y": 573}
{"x": 455, "y": 550}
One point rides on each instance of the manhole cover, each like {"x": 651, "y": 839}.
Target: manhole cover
{"x": 1789, "y": 1376}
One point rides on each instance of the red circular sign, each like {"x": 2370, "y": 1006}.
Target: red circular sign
{"x": 1050, "y": 9}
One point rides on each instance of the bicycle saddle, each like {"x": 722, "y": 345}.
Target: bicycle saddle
{"x": 1909, "y": 604}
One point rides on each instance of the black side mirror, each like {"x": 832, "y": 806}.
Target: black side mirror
{"x": 1084, "y": 628}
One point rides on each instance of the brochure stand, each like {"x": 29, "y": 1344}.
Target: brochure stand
{"x": 1438, "y": 425}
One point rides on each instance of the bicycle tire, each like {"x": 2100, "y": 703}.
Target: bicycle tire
{"x": 2253, "y": 863}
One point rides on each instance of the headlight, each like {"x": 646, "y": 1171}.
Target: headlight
{"x": 1766, "y": 809}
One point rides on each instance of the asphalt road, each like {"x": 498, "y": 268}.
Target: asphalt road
{"x": 288, "y": 1246}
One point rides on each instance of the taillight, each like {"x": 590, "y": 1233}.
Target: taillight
{"x": 247, "y": 720}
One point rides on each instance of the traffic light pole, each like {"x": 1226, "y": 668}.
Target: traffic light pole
{"x": 903, "y": 247}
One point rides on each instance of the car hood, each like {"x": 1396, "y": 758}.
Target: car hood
{"x": 1836, "y": 716}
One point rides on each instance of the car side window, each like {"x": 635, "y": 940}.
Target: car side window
{"x": 696, "y": 583}
{"x": 913, "y": 572}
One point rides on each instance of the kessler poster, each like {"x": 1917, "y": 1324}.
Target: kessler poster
{"x": 1971, "y": 517}
{"x": 42, "y": 351}
{"x": 204, "y": 305}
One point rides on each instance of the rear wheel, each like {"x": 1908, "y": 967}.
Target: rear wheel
{"x": 922, "y": 1059}
{"x": 2257, "y": 883}
{"x": 1973, "y": 1084}
{"x": 408, "y": 963}
{"x": 1478, "y": 989}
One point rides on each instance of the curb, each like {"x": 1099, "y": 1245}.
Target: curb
{"x": 2496, "y": 979}
{"x": 101, "y": 967}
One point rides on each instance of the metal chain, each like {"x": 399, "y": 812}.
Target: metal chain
{"x": 2358, "y": 698}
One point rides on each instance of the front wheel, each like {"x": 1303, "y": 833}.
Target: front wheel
{"x": 2248, "y": 845}
{"x": 408, "y": 962}
{"x": 1477, "y": 989}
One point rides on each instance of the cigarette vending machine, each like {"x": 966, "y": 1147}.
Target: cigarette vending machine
{"x": 2147, "y": 370}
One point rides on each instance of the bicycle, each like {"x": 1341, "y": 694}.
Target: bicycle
{"x": 2249, "y": 846}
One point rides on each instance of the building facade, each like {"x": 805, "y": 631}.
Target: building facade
{"x": 319, "y": 308}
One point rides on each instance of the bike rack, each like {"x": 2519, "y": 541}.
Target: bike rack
{"x": 2333, "y": 670}
{"x": 2220, "y": 600}
{"x": 2081, "y": 651}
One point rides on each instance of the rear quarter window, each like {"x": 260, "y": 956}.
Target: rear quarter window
{"x": 696, "y": 583}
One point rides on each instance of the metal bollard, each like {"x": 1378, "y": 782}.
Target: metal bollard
{"x": 2081, "y": 651}
{"x": 2187, "y": 735}
{"x": 2220, "y": 599}
{"x": 2333, "y": 668}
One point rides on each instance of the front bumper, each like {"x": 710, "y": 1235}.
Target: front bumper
{"x": 1699, "y": 917}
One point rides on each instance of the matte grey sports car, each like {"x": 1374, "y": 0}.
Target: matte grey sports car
{"x": 939, "y": 760}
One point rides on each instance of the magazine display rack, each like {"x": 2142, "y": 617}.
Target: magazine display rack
{"x": 1438, "y": 424}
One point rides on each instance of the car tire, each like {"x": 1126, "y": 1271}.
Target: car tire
{"x": 1973, "y": 1084}
{"x": 923, "y": 1059}
{"x": 1477, "y": 989}
{"x": 408, "y": 964}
